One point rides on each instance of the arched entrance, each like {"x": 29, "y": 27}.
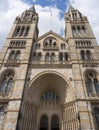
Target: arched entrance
{"x": 44, "y": 123}
{"x": 46, "y": 96}
{"x": 54, "y": 123}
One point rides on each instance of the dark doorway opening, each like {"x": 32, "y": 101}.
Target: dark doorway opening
{"x": 55, "y": 123}
{"x": 44, "y": 123}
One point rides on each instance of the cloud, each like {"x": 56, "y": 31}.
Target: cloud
{"x": 9, "y": 9}
{"x": 89, "y": 8}
{"x": 12, "y": 8}
{"x": 49, "y": 18}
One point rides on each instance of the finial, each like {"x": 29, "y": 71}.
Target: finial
{"x": 70, "y": 7}
{"x": 33, "y": 9}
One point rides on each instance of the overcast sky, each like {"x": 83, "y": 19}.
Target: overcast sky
{"x": 9, "y": 9}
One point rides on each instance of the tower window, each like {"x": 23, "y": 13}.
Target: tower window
{"x": 22, "y": 31}
{"x": 6, "y": 83}
{"x": 17, "y": 55}
{"x": 82, "y": 54}
{"x": 26, "y": 31}
{"x": 14, "y": 55}
{"x": 88, "y": 55}
{"x": 92, "y": 83}
{"x": 78, "y": 30}
{"x": 17, "y": 30}
{"x": 73, "y": 30}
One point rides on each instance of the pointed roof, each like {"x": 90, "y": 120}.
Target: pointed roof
{"x": 33, "y": 9}
{"x": 70, "y": 7}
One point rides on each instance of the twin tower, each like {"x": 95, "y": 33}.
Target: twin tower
{"x": 49, "y": 82}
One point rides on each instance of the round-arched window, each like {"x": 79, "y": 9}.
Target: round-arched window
{"x": 92, "y": 83}
{"x": 6, "y": 83}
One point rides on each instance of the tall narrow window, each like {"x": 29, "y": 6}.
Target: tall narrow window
{"x": 47, "y": 57}
{"x": 66, "y": 56}
{"x": 3, "y": 85}
{"x": 16, "y": 32}
{"x": 9, "y": 85}
{"x": 78, "y": 30}
{"x": 52, "y": 57}
{"x": 92, "y": 84}
{"x": 6, "y": 83}
{"x": 96, "y": 84}
{"x": 82, "y": 54}
{"x": 22, "y": 31}
{"x": 12, "y": 55}
{"x": 88, "y": 55}
{"x": 83, "y": 31}
{"x": 17, "y": 56}
{"x": 60, "y": 56}
{"x": 74, "y": 30}
{"x": 39, "y": 56}
{"x": 27, "y": 31}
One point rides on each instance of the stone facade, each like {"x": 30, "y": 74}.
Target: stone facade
{"x": 49, "y": 82}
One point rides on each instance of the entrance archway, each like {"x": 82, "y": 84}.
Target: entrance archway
{"x": 54, "y": 123}
{"x": 44, "y": 123}
{"x": 46, "y": 97}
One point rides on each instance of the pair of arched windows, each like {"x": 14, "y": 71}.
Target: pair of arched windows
{"x": 63, "y": 46}
{"x": 37, "y": 56}
{"x": 14, "y": 55}
{"x": 92, "y": 83}
{"x": 6, "y": 83}
{"x": 37, "y": 46}
{"x": 63, "y": 56}
{"x": 21, "y": 31}
{"x": 44, "y": 123}
{"x": 86, "y": 55}
{"x": 50, "y": 57}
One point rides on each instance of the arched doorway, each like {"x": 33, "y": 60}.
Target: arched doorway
{"x": 46, "y": 96}
{"x": 54, "y": 123}
{"x": 44, "y": 123}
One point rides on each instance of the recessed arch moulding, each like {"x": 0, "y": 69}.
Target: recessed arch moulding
{"x": 50, "y": 80}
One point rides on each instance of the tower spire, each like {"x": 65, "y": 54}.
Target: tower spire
{"x": 33, "y": 9}
{"x": 70, "y": 7}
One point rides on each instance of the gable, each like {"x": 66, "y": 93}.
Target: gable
{"x": 57, "y": 39}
